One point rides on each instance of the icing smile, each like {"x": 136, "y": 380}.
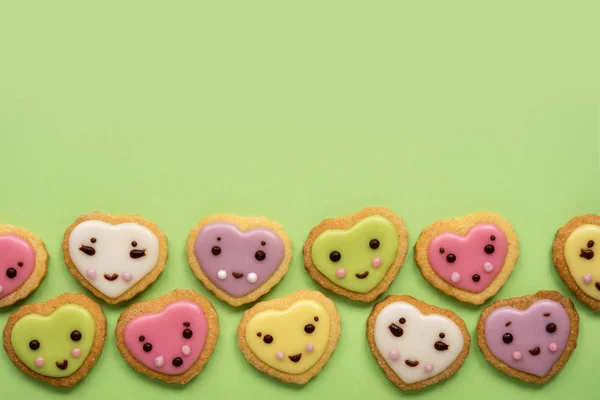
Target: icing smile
{"x": 62, "y": 365}
{"x": 295, "y": 358}
{"x": 588, "y": 254}
{"x": 411, "y": 363}
{"x": 535, "y": 351}
{"x": 112, "y": 277}
{"x": 237, "y": 275}
{"x": 363, "y": 275}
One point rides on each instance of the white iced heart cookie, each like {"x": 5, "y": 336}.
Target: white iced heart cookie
{"x": 415, "y": 343}
{"x": 115, "y": 257}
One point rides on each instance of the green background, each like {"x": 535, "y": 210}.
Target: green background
{"x": 300, "y": 111}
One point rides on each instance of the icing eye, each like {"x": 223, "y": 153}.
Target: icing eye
{"x": 177, "y": 362}
{"x": 442, "y": 335}
{"x": 219, "y": 238}
{"x": 489, "y": 249}
{"x": 142, "y": 338}
{"x": 335, "y": 256}
{"x": 551, "y": 328}
{"x": 507, "y": 338}
{"x": 316, "y": 319}
{"x": 187, "y": 333}
{"x": 11, "y": 273}
{"x": 310, "y": 328}
{"x": 20, "y": 263}
{"x": 186, "y": 324}
{"x": 134, "y": 244}
{"x": 216, "y": 250}
{"x": 88, "y": 250}
{"x": 450, "y": 258}
{"x": 476, "y": 278}
{"x": 260, "y": 255}
{"x": 147, "y": 347}
{"x": 135, "y": 253}
{"x": 402, "y": 320}
{"x": 93, "y": 240}
{"x": 493, "y": 237}
{"x": 374, "y": 244}
{"x": 396, "y": 330}
{"x": 440, "y": 346}
{"x": 268, "y": 339}
{"x": 34, "y": 345}
{"x": 76, "y": 336}
{"x": 590, "y": 244}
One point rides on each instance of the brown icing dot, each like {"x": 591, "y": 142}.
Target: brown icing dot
{"x": 493, "y": 237}
{"x": 590, "y": 244}
{"x": 93, "y": 240}
{"x": 20, "y": 263}
{"x": 316, "y": 319}
{"x": 259, "y": 334}
{"x": 134, "y": 243}
{"x": 508, "y": 323}
{"x": 263, "y": 243}
{"x": 442, "y": 250}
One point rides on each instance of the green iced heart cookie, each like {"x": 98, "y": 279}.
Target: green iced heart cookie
{"x": 357, "y": 259}
{"x": 56, "y": 345}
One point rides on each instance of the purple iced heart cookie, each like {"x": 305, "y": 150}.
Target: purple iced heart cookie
{"x": 530, "y": 340}
{"x": 239, "y": 264}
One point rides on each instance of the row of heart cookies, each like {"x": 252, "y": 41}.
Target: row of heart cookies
{"x": 172, "y": 337}
{"x": 240, "y": 259}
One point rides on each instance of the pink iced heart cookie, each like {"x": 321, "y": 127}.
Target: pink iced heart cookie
{"x": 469, "y": 262}
{"x": 237, "y": 258}
{"x": 529, "y": 337}
{"x": 169, "y": 338}
{"x": 23, "y": 263}
{"x": 469, "y": 258}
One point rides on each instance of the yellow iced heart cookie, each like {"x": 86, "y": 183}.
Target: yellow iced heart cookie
{"x": 290, "y": 338}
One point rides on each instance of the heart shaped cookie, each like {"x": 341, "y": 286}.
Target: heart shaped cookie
{"x": 23, "y": 263}
{"x": 470, "y": 257}
{"x": 290, "y": 338}
{"x": 115, "y": 257}
{"x": 529, "y": 337}
{"x": 57, "y": 341}
{"x": 358, "y": 255}
{"x": 239, "y": 259}
{"x": 169, "y": 338}
{"x": 576, "y": 256}
{"x": 416, "y": 344}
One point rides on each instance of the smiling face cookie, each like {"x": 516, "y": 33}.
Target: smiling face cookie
{"x": 290, "y": 338}
{"x": 576, "y": 255}
{"x": 23, "y": 263}
{"x": 237, "y": 258}
{"x": 416, "y": 344}
{"x": 531, "y": 337}
{"x": 54, "y": 341}
{"x": 469, "y": 258}
{"x": 169, "y": 338}
{"x": 114, "y": 257}
{"x": 357, "y": 256}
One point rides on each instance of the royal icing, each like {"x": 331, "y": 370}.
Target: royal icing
{"x": 292, "y": 340}
{"x": 113, "y": 258}
{"x": 530, "y": 340}
{"x": 583, "y": 263}
{"x": 470, "y": 262}
{"x": 235, "y": 261}
{"x": 17, "y": 262}
{"x": 416, "y": 346}
{"x": 357, "y": 259}
{"x": 170, "y": 341}
{"x": 55, "y": 345}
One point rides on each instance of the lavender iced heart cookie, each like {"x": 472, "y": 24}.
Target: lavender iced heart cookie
{"x": 239, "y": 259}
{"x": 529, "y": 337}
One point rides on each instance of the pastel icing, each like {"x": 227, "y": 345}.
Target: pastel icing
{"x": 583, "y": 262}
{"x": 530, "y": 340}
{"x": 170, "y": 341}
{"x": 416, "y": 346}
{"x": 113, "y": 258}
{"x": 236, "y": 261}
{"x": 17, "y": 262}
{"x": 55, "y": 345}
{"x": 470, "y": 262}
{"x": 291, "y": 340}
{"x": 360, "y": 266}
